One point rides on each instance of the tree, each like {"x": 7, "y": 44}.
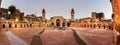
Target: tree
{"x": 12, "y": 10}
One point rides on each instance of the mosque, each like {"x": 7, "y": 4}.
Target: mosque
{"x": 19, "y": 20}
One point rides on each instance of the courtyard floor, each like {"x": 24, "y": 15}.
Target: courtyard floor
{"x": 14, "y": 40}
{"x": 53, "y": 36}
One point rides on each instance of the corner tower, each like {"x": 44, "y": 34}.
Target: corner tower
{"x": 43, "y": 15}
{"x": 72, "y": 15}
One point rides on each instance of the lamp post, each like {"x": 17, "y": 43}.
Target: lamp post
{"x": 16, "y": 21}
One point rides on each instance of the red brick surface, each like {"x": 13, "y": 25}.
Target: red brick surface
{"x": 3, "y": 38}
{"x": 26, "y": 33}
{"x": 96, "y": 36}
{"x": 60, "y": 37}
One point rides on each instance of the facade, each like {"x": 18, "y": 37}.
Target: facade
{"x": 19, "y": 20}
{"x": 59, "y": 21}
{"x": 96, "y": 20}
{"x": 4, "y": 13}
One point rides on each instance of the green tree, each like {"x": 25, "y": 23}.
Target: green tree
{"x": 12, "y": 10}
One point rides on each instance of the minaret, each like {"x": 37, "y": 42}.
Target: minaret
{"x": 72, "y": 15}
{"x": 43, "y": 15}
{"x": 94, "y": 14}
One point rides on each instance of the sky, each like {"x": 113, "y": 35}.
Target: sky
{"x": 83, "y": 8}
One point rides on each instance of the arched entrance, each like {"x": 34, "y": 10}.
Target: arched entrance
{"x": 3, "y": 26}
{"x": 90, "y": 25}
{"x": 104, "y": 26}
{"x": 68, "y": 24}
{"x": 27, "y": 25}
{"x": 99, "y": 27}
{"x": 15, "y": 25}
{"x": 84, "y": 25}
{"x": 109, "y": 27}
{"x": 52, "y": 24}
{"x": 87, "y": 26}
{"x": 30, "y": 25}
{"x": 10, "y": 25}
{"x": 63, "y": 24}
{"x": 94, "y": 26}
{"x": 21, "y": 25}
{"x": 58, "y": 22}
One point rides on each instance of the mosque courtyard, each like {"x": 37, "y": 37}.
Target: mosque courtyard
{"x": 55, "y": 36}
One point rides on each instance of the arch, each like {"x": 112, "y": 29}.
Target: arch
{"x": 30, "y": 25}
{"x": 58, "y": 22}
{"x": 10, "y": 25}
{"x": 3, "y": 26}
{"x": 21, "y": 25}
{"x": 90, "y": 25}
{"x": 63, "y": 24}
{"x": 99, "y": 26}
{"x": 87, "y": 25}
{"x": 84, "y": 25}
{"x": 94, "y": 26}
{"x": 15, "y": 25}
{"x": 109, "y": 27}
{"x": 52, "y": 24}
{"x": 104, "y": 26}
{"x": 68, "y": 24}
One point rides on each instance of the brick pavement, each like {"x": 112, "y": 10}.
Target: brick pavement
{"x": 60, "y": 37}
{"x": 3, "y": 38}
{"x": 14, "y": 40}
{"x": 26, "y": 33}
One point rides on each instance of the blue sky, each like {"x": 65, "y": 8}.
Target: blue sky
{"x": 83, "y": 8}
